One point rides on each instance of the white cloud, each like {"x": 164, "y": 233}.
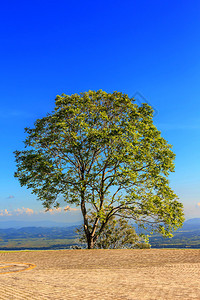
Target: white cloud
{"x": 54, "y": 211}
{"x": 71, "y": 208}
{"x": 28, "y": 211}
{"x": 17, "y": 212}
{"x": 4, "y": 212}
{"x": 23, "y": 210}
{"x": 59, "y": 214}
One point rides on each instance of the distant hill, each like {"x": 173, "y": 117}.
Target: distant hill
{"x": 55, "y": 235}
{"x": 38, "y": 232}
{"x": 186, "y": 237}
{"x": 38, "y": 238}
{"x": 22, "y": 224}
{"x": 191, "y": 224}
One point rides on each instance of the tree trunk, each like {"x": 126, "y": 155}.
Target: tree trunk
{"x": 90, "y": 243}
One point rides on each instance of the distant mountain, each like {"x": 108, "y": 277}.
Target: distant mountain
{"x": 191, "y": 224}
{"x": 22, "y": 224}
{"x": 38, "y": 232}
{"x": 55, "y": 235}
{"x": 38, "y": 238}
{"x": 194, "y": 221}
{"x": 186, "y": 237}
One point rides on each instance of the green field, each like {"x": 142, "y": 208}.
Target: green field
{"x": 36, "y": 243}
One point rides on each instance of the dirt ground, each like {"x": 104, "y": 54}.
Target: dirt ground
{"x": 100, "y": 274}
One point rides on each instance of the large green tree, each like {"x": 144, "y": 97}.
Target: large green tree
{"x": 102, "y": 152}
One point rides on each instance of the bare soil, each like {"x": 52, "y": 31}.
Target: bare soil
{"x": 100, "y": 274}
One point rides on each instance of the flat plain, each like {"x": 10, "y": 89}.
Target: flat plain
{"x": 100, "y": 274}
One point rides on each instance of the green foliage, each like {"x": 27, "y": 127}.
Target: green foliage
{"x": 102, "y": 152}
{"x": 117, "y": 234}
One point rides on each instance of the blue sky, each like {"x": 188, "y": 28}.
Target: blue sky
{"x": 53, "y": 47}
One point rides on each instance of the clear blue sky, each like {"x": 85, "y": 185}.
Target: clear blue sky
{"x": 53, "y": 47}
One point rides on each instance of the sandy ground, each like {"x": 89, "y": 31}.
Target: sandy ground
{"x": 100, "y": 274}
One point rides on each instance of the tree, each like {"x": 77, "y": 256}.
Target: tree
{"x": 102, "y": 152}
{"x": 117, "y": 234}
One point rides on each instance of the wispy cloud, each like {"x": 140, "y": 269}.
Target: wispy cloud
{"x": 26, "y": 211}
{"x": 17, "y": 212}
{"x": 4, "y": 212}
{"x": 54, "y": 211}
{"x": 66, "y": 208}
{"x": 23, "y": 210}
{"x": 60, "y": 210}
{"x": 11, "y": 197}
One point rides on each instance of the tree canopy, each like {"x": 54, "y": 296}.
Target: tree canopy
{"x": 102, "y": 152}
